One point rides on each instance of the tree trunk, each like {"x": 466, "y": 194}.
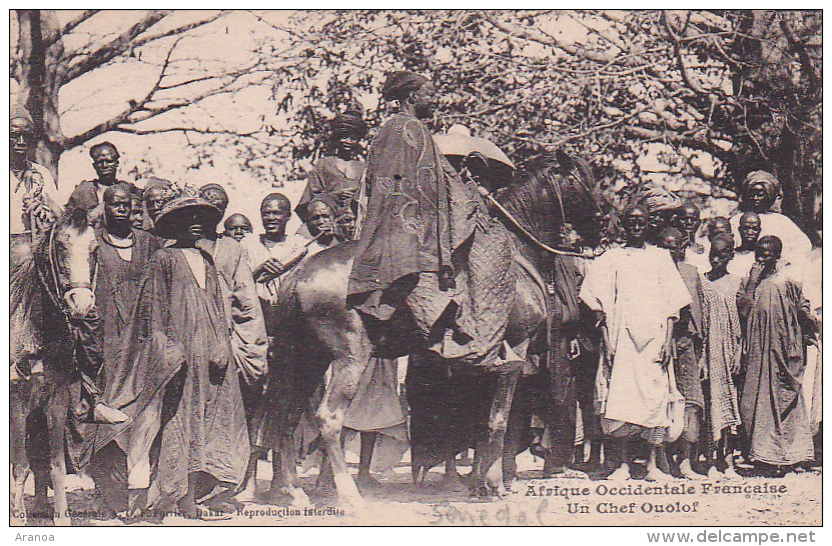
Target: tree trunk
{"x": 38, "y": 78}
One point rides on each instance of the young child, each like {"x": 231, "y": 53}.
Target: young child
{"x": 687, "y": 341}
{"x": 771, "y": 405}
{"x": 722, "y": 351}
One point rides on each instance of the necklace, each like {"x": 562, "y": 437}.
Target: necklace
{"x": 118, "y": 242}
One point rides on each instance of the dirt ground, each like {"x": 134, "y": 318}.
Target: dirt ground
{"x": 569, "y": 500}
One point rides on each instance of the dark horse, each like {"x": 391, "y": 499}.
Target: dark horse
{"x": 50, "y": 282}
{"x": 321, "y": 332}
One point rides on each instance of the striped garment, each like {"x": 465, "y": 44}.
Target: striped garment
{"x": 722, "y": 345}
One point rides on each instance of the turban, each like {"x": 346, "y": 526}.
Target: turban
{"x": 657, "y": 199}
{"x": 326, "y": 199}
{"x": 348, "y": 124}
{"x": 213, "y": 186}
{"x": 765, "y": 179}
{"x": 19, "y": 112}
{"x": 157, "y": 183}
{"x": 400, "y": 84}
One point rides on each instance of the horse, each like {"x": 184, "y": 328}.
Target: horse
{"x": 50, "y": 285}
{"x": 321, "y": 332}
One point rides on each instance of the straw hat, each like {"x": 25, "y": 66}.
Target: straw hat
{"x": 172, "y": 213}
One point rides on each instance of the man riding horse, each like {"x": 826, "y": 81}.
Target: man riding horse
{"x": 428, "y": 252}
{"x": 33, "y": 210}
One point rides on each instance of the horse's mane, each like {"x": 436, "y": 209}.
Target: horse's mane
{"x": 547, "y": 192}
{"x": 75, "y": 217}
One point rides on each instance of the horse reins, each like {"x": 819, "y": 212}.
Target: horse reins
{"x": 485, "y": 193}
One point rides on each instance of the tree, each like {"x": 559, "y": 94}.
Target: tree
{"x": 55, "y": 50}
{"x": 688, "y": 100}
{"x": 692, "y": 100}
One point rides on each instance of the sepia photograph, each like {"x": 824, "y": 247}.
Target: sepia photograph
{"x": 428, "y": 267}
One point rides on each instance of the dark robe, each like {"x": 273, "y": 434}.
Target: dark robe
{"x": 116, "y": 290}
{"x": 328, "y": 179}
{"x": 426, "y": 243}
{"x": 772, "y": 407}
{"x": 687, "y": 335}
{"x": 176, "y": 381}
{"x": 117, "y": 287}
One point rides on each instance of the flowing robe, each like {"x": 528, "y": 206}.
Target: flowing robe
{"x": 115, "y": 297}
{"x": 772, "y": 405}
{"x": 117, "y": 289}
{"x": 688, "y": 340}
{"x": 427, "y": 243}
{"x": 249, "y": 344}
{"x": 638, "y": 290}
{"x": 176, "y": 382}
{"x": 723, "y": 335}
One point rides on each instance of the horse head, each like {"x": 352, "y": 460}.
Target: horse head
{"x": 553, "y": 197}
{"x": 69, "y": 254}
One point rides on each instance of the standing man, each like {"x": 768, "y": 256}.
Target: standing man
{"x": 177, "y": 378}
{"x": 772, "y": 406}
{"x": 338, "y": 173}
{"x": 89, "y": 194}
{"x": 249, "y": 344}
{"x": 123, "y": 255}
{"x": 639, "y": 293}
{"x": 687, "y": 341}
{"x": 271, "y": 255}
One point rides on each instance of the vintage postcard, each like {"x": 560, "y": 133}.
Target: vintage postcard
{"x": 417, "y": 268}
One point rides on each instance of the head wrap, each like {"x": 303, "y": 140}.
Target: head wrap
{"x": 153, "y": 182}
{"x": 212, "y": 186}
{"x": 348, "y": 124}
{"x": 19, "y": 112}
{"x": 658, "y": 199}
{"x": 765, "y": 179}
{"x": 326, "y": 199}
{"x": 167, "y": 223}
{"x": 401, "y": 84}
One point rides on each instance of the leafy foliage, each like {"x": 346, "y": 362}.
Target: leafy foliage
{"x": 687, "y": 100}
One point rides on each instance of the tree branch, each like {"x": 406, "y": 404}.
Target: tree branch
{"x": 802, "y": 54}
{"x": 534, "y": 35}
{"x": 70, "y": 26}
{"x": 134, "y": 107}
{"x": 112, "y": 49}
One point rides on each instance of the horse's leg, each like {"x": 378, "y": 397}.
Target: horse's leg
{"x": 519, "y": 417}
{"x": 19, "y": 459}
{"x": 56, "y": 415}
{"x": 352, "y": 353}
{"x": 491, "y": 450}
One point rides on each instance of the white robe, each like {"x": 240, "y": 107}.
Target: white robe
{"x": 638, "y": 290}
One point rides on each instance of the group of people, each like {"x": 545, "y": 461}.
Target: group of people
{"x": 716, "y": 323}
{"x": 710, "y": 337}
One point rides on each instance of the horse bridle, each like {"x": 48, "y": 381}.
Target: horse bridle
{"x": 56, "y": 296}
